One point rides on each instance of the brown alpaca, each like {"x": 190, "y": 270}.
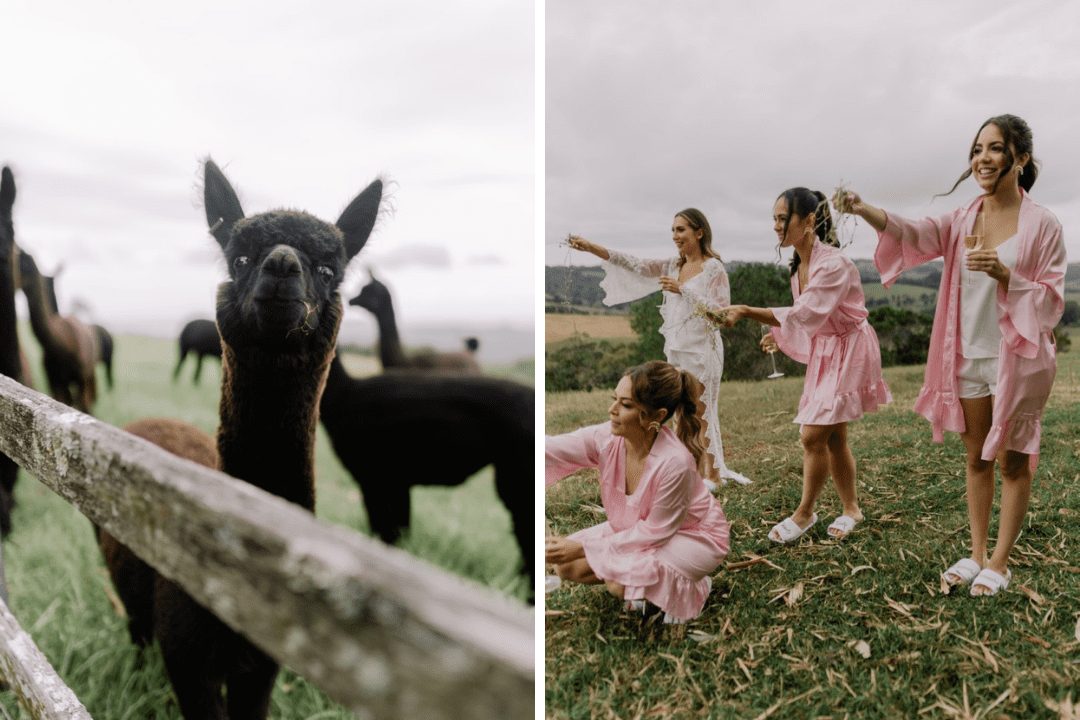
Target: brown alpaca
{"x": 103, "y": 339}
{"x": 68, "y": 346}
{"x": 140, "y": 588}
{"x": 278, "y": 314}
{"x": 375, "y": 297}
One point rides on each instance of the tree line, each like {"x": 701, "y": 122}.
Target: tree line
{"x": 585, "y": 363}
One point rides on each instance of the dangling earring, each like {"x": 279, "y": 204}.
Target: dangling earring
{"x": 1021, "y": 169}
{"x": 655, "y": 426}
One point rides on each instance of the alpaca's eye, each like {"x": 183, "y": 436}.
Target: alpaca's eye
{"x": 325, "y": 272}
{"x": 240, "y": 261}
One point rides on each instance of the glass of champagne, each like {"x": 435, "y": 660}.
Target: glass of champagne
{"x": 772, "y": 356}
{"x": 971, "y": 243}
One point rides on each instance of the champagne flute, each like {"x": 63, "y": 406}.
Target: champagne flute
{"x": 772, "y": 356}
{"x": 975, "y": 242}
{"x": 971, "y": 242}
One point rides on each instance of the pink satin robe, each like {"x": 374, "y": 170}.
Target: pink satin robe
{"x": 826, "y": 328}
{"x": 662, "y": 540}
{"x": 1027, "y": 315}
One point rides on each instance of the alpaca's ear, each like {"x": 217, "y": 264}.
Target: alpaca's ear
{"x": 7, "y": 190}
{"x": 358, "y": 220}
{"x": 222, "y": 206}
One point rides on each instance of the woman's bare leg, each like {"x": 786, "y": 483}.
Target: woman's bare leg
{"x": 615, "y": 589}
{"x": 1015, "y": 494}
{"x": 978, "y": 472}
{"x": 815, "y": 440}
{"x": 842, "y": 469}
{"x": 577, "y": 571}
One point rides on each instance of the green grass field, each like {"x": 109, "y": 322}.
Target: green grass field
{"x": 60, "y": 590}
{"x": 858, "y": 629}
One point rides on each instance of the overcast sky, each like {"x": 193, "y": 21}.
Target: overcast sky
{"x": 107, "y": 108}
{"x": 656, "y": 106}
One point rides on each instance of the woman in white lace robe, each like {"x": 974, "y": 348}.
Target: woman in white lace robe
{"x": 692, "y": 282}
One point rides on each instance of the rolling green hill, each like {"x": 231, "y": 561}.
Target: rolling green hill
{"x": 577, "y": 288}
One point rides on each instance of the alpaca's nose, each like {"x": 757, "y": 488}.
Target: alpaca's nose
{"x": 282, "y": 262}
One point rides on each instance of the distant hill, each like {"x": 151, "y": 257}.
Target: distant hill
{"x": 577, "y": 288}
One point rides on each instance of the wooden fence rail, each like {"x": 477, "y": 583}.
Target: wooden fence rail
{"x": 383, "y": 633}
{"x": 31, "y": 677}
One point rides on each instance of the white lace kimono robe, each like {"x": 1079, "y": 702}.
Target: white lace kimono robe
{"x": 690, "y": 342}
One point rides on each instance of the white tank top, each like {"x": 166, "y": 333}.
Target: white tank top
{"x": 980, "y": 336}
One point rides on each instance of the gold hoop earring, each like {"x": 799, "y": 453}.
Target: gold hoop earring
{"x": 654, "y": 426}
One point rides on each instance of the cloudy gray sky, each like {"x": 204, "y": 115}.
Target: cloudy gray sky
{"x": 107, "y": 108}
{"x": 655, "y": 106}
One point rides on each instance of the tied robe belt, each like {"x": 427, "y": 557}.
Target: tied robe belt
{"x": 827, "y": 371}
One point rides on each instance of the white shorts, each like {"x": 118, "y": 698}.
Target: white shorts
{"x": 977, "y": 377}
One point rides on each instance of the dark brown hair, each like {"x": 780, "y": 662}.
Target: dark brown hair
{"x": 803, "y": 202}
{"x": 657, "y": 384}
{"x": 1018, "y": 138}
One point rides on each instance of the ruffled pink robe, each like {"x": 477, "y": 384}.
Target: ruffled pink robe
{"x": 661, "y": 541}
{"x": 1027, "y": 315}
{"x": 826, "y": 329}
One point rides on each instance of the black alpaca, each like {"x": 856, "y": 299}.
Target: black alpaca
{"x": 375, "y": 298}
{"x": 10, "y": 357}
{"x": 278, "y": 313}
{"x": 201, "y": 338}
{"x": 105, "y": 351}
{"x": 406, "y": 428}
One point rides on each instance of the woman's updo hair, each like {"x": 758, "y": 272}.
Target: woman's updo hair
{"x": 802, "y": 202}
{"x": 1017, "y": 137}
{"x": 659, "y": 385}
{"x": 697, "y": 221}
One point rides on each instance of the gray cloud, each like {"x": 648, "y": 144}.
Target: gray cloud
{"x": 413, "y": 255}
{"x": 661, "y": 106}
{"x": 113, "y": 107}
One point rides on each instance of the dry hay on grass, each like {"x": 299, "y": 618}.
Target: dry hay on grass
{"x": 558, "y": 327}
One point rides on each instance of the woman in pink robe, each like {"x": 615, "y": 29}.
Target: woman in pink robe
{"x": 665, "y": 534}
{"x": 825, "y": 328}
{"x": 996, "y": 402}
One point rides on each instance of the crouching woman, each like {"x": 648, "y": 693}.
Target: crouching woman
{"x": 665, "y": 533}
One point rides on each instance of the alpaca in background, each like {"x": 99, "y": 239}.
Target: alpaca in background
{"x": 104, "y": 339}
{"x": 105, "y": 351}
{"x": 279, "y": 314}
{"x": 68, "y": 346}
{"x": 201, "y": 338}
{"x": 406, "y": 428}
{"x": 375, "y": 297}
